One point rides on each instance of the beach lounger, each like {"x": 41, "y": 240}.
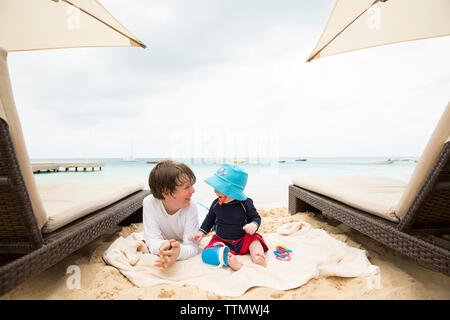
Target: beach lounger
{"x": 42, "y": 224}
{"x": 412, "y": 219}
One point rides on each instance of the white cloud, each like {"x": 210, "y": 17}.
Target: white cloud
{"x": 216, "y": 79}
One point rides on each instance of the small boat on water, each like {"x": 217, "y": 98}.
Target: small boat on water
{"x": 128, "y": 159}
{"x": 388, "y": 161}
{"x": 400, "y": 159}
{"x": 281, "y": 161}
{"x": 235, "y": 161}
{"x": 301, "y": 159}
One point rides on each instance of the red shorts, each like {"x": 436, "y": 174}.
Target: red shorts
{"x": 239, "y": 246}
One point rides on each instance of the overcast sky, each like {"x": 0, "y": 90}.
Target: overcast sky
{"x": 229, "y": 78}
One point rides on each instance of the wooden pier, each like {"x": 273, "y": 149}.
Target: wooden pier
{"x": 65, "y": 166}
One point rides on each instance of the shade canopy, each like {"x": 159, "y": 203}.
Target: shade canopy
{"x": 53, "y": 24}
{"x": 49, "y": 24}
{"x": 359, "y": 24}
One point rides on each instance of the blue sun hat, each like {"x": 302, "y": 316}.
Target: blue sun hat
{"x": 229, "y": 180}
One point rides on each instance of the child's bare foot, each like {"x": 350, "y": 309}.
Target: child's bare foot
{"x": 260, "y": 258}
{"x": 233, "y": 262}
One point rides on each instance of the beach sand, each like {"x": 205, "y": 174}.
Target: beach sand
{"x": 401, "y": 277}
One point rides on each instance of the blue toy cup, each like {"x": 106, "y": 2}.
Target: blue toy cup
{"x": 217, "y": 255}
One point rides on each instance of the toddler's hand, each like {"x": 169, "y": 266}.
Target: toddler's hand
{"x": 250, "y": 228}
{"x": 197, "y": 237}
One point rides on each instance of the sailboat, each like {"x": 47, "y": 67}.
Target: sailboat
{"x": 130, "y": 157}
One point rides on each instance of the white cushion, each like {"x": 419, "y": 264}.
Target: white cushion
{"x": 440, "y": 136}
{"x": 67, "y": 201}
{"x": 372, "y": 194}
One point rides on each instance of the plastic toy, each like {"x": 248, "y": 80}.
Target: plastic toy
{"x": 282, "y": 253}
{"x": 217, "y": 255}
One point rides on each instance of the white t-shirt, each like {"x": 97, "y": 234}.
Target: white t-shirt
{"x": 159, "y": 226}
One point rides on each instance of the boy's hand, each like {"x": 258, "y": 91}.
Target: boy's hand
{"x": 197, "y": 237}
{"x": 168, "y": 254}
{"x": 250, "y": 228}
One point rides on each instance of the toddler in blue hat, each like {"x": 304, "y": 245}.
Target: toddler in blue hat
{"x": 234, "y": 217}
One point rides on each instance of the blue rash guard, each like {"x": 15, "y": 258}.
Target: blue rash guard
{"x": 229, "y": 218}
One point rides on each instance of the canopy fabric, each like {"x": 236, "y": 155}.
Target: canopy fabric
{"x": 53, "y": 24}
{"x": 359, "y": 24}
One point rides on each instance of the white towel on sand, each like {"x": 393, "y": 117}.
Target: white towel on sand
{"x": 314, "y": 254}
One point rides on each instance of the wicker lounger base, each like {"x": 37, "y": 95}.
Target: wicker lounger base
{"x": 63, "y": 242}
{"x": 425, "y": 252}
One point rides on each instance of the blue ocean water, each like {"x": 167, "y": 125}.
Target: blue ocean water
{"x": 268, "y": 178}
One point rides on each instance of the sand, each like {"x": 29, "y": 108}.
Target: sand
{"x": 401, "y": 277}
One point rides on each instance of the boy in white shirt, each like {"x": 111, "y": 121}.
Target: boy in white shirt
{"x": 169, "y": 216}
